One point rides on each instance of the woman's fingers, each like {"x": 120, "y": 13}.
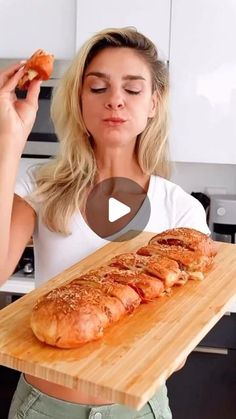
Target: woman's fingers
{"x": 12, "y": 76}
{"x": 33, "y": 93}
{"x": 9, "y": 72}
{"x": 13, "y": 68}
{"x": 12, "y": 82}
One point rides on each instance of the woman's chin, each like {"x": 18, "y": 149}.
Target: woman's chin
{"x": 114, "y": 141}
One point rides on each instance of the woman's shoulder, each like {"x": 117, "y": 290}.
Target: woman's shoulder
{"x": 171, "y": 193}
{"x": 26, "y": 183}
{"x": 168, "y": 187}
{"x": 184, "y": 210}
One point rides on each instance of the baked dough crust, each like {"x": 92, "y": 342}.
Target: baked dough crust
{"x": 79, "y": 311}
{"x": 38, "y": 67}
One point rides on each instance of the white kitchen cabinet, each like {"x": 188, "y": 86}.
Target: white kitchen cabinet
{"x": 203, "y": 81}
{"x": 152, "y": 17}
{"x": 26, "y": 25}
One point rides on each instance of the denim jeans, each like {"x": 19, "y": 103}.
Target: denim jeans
{"x": 30, "y": 403}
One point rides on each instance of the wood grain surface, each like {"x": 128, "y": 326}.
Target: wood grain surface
{"x": 137, "y": 354}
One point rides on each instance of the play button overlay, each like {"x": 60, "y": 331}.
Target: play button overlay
{"x": 117, "y": 206}
{"x": 117, "y": 210}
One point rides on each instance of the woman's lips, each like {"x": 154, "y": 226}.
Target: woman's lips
{"x": 114, "y": 121}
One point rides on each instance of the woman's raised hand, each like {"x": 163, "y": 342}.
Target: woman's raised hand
{"x": 16, "y": 116}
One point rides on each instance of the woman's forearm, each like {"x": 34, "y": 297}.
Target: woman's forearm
{"x": 9, "y": 162}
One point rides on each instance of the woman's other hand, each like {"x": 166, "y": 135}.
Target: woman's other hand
{"x": 16, "y": 116}
{"x": 181, "y": 365}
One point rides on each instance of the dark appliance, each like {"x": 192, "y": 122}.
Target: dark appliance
{"x": 222, "y": 219}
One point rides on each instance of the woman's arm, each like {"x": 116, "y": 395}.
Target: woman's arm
{"x": 16, "y": 120}
{"x": 22, "y": 223}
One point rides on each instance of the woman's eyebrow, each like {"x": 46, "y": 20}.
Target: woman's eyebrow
{"x": 107, "y": 77}
{"x": 98, "y": 74}
{"x": 133, "y": 77}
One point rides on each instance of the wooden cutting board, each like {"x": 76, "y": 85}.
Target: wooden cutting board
{"x": 137, "y": 354}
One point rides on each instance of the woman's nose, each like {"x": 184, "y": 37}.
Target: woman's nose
{"x": 114, "y": 101}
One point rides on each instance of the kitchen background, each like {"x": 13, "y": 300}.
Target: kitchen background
{"x": 197, "y": 38}
{"x": 198, "y": 177}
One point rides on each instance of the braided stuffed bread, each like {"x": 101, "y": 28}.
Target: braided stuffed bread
{"x": 80, "y": 311}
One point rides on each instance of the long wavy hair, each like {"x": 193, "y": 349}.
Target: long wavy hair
{"x": 62, "y": 183}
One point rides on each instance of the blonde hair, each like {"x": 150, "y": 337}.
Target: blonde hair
{"x": 63, "y": 182}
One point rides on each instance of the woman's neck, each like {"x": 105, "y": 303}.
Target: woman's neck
{"x": 119, "y": 162}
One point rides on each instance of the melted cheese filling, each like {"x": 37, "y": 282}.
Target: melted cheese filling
{"x": 32, "y": 74}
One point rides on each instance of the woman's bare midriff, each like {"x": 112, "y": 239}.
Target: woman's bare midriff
{"x": 63, "y": 393}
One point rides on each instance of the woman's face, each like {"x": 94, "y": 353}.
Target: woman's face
{"x": 117, "y": 97}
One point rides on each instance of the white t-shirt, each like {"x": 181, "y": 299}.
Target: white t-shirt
{"x": 171, "y": 207}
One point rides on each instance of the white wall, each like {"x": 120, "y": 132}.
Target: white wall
{"x": 196, "y": 177}
{"x": 193, "y": 177}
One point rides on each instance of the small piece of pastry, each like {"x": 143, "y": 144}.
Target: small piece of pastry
{"x": 38, "y": 67}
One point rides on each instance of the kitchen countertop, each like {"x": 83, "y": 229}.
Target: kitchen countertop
{"x": 19, "y": 283}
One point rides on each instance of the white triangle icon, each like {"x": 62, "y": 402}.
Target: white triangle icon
{"x": 116, "y": 209}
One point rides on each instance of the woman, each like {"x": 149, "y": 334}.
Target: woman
{"x": 110, "y": 115}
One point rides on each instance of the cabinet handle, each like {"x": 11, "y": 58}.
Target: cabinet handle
{"x": 211, "y": 350}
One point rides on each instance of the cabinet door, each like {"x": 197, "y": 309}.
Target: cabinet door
{"x": 152, "y": 17}
{"x": 223, "y": 334}
{"x": 203, "y": 81}
{"x": 205, "y": 388}
{"x": 8, "y": 382}
{"x": 27, "y": 25}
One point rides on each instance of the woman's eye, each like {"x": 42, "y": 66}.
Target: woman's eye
{"x": 97, "y": 89}
{"x": 133, "y": 92}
